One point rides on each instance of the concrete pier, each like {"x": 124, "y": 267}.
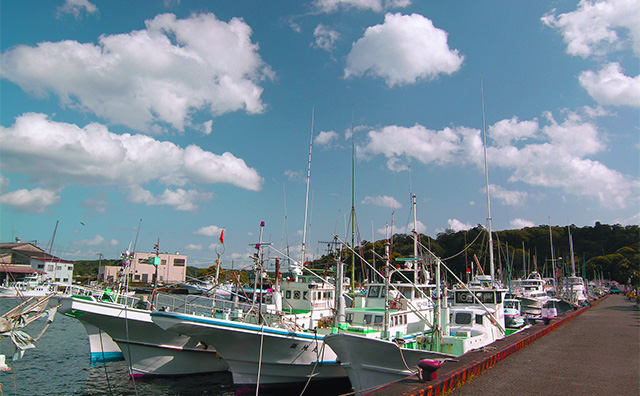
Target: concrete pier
{"x": 591, "y": 351}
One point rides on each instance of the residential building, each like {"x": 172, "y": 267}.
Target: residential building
{"x": 20, "y": 259}
{"x": 142, "y": 267}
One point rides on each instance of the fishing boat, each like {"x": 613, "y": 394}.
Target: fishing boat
{"x": 513, "y": 313}
{"x": 273, "y": 346}
{"x": 532, "y": 294}
{"x": 148, "y": 349}
{"x": 573, "y": 288}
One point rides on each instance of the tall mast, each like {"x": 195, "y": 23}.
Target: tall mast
{"x": 573, "y": 261}
{"x": 306, "y": 204}
{"x": 353, "y": 202}
{"x": 486, "y": 175}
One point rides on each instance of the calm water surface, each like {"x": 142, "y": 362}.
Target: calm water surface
{"x": 60, "y": 365}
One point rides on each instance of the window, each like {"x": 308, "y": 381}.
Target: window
{"x": 463, "y": 318}
{"x": 288, "y": 294}
{"x": 378, "y": 319}
{"x": 40, "y": 266}
{"x": 164, "y": 262}
{"x": 305, "y": 295}
{"x": 374, "y": 291}
{"x": 178, "y": 262}
{"x": 479, "y": 319}
{"x": 65, "y": 280}
{"x": 296, "y": 295}
{"x": 349, "y": 318}
{"x": 137, "y": 277}
{"x": 367, "y": 319}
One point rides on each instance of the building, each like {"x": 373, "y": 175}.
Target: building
{"x": 19, "y": 259}
{"x": 141, "y": 268}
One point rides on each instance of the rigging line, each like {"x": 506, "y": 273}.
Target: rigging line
{"x": 260, "y": 359}
{"x": 457, "y": 254}
{"x": 130, "y": 362}
{"x": 104, "y": 362}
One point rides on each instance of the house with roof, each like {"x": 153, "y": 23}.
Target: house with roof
{"x": 21, "y": 259}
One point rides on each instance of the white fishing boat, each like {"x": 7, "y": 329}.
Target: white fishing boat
{"x": 148, "y": 349}
{"x": 513, "y": 313}
{"x": 573, "y": 288}
{"x": 271, "y": 347}
{"x": 532, "y": 294}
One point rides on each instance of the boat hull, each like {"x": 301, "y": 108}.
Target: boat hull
{"x": 261, "y": 356}
{"x": 148, "y": 349}
{"x": 371, "y": 362}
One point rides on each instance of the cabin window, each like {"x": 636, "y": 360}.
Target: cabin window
{"x": 40, "y": 266}
{"x": 498, "y": 298}
{"x": 463, "y": 318}
{"x": 137, "y": 277}
{"x": 374, "y": 291}
{"x": 349, "y": 318}
{"x": 305, "y": 295}
{"x": 367, "y": 319}
{"x": 287, "y": 294}
{"x": 479, "y": 319}
{"x": 378, "y": 319}
{"x": 296, "y": 295}
{"x": 463, "y": 298}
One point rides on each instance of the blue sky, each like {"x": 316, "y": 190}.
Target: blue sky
{"x": 196, "y": 116}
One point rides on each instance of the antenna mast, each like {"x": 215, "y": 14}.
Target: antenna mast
{"x": 306, "y": 204}
{"x": 486, "y": 175}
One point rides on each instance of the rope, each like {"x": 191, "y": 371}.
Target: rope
{"x": 104, "y": 363}
{"x": 313, "y": 372}
{"x": 260, "y": 359}
{"x": 129, "y": 362}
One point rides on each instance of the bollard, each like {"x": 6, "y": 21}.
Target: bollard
{"x": 427, "y": 369}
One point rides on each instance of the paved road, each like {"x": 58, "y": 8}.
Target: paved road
{"x": 596, "y": 353}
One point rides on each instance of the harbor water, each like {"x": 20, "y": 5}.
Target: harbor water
{"x": 60, "y": 365}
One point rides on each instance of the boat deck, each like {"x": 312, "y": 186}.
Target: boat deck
{"x": 591, "y": 351}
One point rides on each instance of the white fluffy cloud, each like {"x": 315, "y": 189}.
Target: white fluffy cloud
{"x": 146, "y": 78}
{"x": 325, "y": 38}
{"x": 457, "y": 225}
{"x": 36, "y": 200}
{"x": 373, "y": 5}
{"x": 404, "y": 230}
{"x": 60, "y": 154}
{"x": 326, "y": 137}
{"x": 180, "y": 199}
{"x": 598, "y": 27}
{"x": 555, "y": 155}
{"x": 521, "y": 223}
{"x": 382, "y": 200}
{"x": 610, "y": 86}
{"x": 209, "y": 231}
{"x": 508, "y": 198}
{"x": 403, "y": 50}
{"x": 77, "y": 8}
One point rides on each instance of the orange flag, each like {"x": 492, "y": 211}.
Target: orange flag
{"x": 222, "y": 237}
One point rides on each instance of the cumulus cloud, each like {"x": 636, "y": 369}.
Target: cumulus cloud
{"x": 521, "y": 223}
{"x": 294, "y": 175}
{"x": 598, "y": 27}
{"x": 326, "y": 137}
{"x": 610, "y": 86}
{"x": 410, "y": 227}
{"x": 60, "y": 154}
{"x": 325, "y": 38}
{"x": 554, "y": 155}
{"x": 456, "y": 225}
{"x": 36, "y": 200}
{"x": 77, "y": 8}
{"x": 508, "y": 198}
{"x": 403, "y": 50}
{"x": 373, "y": 5}
{"x": 425, "y": 145}
{"x": 192, "y": 246}
{"x": 184, "y": 200}
{"x": 209, "y": 231}
{"x": 148, "y": 78}
{"x": 382, "y": 200}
